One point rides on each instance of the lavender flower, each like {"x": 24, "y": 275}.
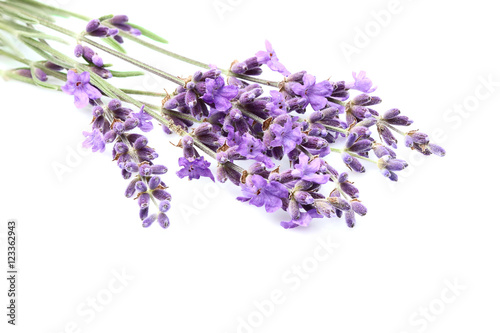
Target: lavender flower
{"x": 285, "y": 134}
{"x": 260, "y": 193}
{"x": 194, "y": 169}
{"x": 308, "y": 170}
{"x": 94, "y": 140}
{"x": 303, "y": 220}
{"x": 314, "y": 93}
{"x": 144, "y": 120}
{"x": 219, "y": 94}
{"x": 269, "y": 58}
{"x": 361, "y": 83}
{"x": 120, "y": 21}
{"x": 79, "y": 86}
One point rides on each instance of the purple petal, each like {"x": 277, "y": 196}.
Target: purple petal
{"x": 81, "y": 98}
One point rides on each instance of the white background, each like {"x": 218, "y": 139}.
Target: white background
{"x": 437, "y": 226}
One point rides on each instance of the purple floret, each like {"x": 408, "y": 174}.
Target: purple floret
{"x": 94, "y": 140}
{"x": 286, "y": 135}
{"x": 144, "y": 120}
{"x": 219, "y": 94}
{"x": 79, "y": 86}
{"x": 361, "y": 83}
{"x": 259, "y": 192}
{"x": 269, "y": 58}
{"x": 307, "y": 170}
{"x": 315, "y": 93}
{"x": 194, "y": 168}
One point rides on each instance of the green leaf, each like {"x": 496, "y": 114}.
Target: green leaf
{"x": 20, "y": 16}
{"x": 149, "y": 34}
{"x": 40, "y": 7}
{"x": 7, "y": 42}
{"x": 105, "y": 17}
{"x": 114, "y": 44}
{"x": 40, "y": 35}
{"x": 126, "y": 74}
{"x": 40, "y": 12}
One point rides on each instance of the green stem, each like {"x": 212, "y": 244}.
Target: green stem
{"x": 336, "y": 129}
{"x": 340, "y": 151}
{"x": 117, "y": 54}
{"x": 167, "y": 52}
{"x": 142, "y": 92}
{"x": 397, "y": 130}
{"x": 17, "y": 77}
{"x": 336, "y": 101}
{"x": 181, "y": 115}
{"x": 55, "y": 11}
{"x": 252, "y": 116}
{"x": 133, "y": 61}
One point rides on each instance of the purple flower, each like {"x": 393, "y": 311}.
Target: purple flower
{"x": 269, "y": 58}
{"x": 250, "y": 147}
{"x": 314, "y": 93}
{"x": 307, "y": 170}
{"x": 304, "y": 219}
{"x": 144, "y": 120}
{"x": 260, "y": 193}
{"x": 361, "y": 83}
{"x": 286, "y": 135}
{"x": 94, "y": 140}
{"x": 219, "y": 94}
{"x": 79, "y": 86}
{"x": 194, "y": 168}
{"x": 278, "y": 105}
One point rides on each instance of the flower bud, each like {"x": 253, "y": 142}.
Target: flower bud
{"x": 350, "y": 219}
{"x": 303, "y": 198}
{"x": 158, "y": 169}
{"x": 96, "y": 60}
{"x": 92, "y": 25}
{"x": 130, "y": 190}
{"x": 131, "y": 167}
{"x": 149, "y": 220}
{"x": 143, "y": 200}
{"x": 358, "y": 208}
{"x": 154, "y": 182}
{"x": 140, "y": 142}
{"x": 391, "y": 113}
{"x": 164, "y": 206}
{"x": 163, "y": 220}
{"x": 161, "y": 195}
{"x": 78, "y": 52}
{"x": 436, "y": 150}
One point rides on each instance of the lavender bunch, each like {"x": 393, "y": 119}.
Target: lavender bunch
{"x": 271, "y": 139}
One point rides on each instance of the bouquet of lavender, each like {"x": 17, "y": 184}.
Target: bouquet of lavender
{"x": 272, "y": 139}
